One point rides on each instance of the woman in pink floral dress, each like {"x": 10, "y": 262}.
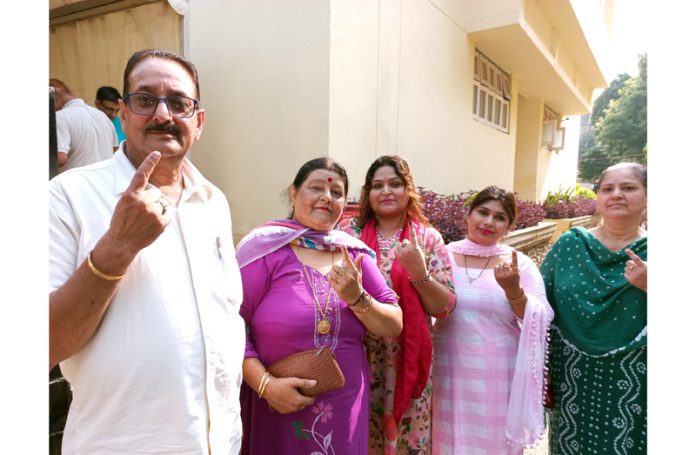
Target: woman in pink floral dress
{"x": 412, "y": 256}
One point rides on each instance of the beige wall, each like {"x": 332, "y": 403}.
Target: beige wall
{"x": 93, "y": 52}
{"x": 559, "y": 169}
{"x": 529, "y": 120}
{"x": 448, "y": 150}
{"x": 360, "y": 63}
{"x": 264, "y": 80}
{"x": 401, "y": 75}
{"x": 539, "y": 170}
{"x": 283, "y": 82}
{"x": 352, "y": 80}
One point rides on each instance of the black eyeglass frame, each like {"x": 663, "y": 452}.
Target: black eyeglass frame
{"x": 165, "y": 99}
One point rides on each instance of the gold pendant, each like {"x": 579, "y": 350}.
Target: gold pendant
{"x": 323, "y": 326}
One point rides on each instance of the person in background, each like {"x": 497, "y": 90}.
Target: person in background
{"x": 309, "y": 286}
{"x": 144, "y": 285}
{"x": 596, "y": 281}
{"x": 84, "y": 135}
{"x": 107, "y": 101}
{"x": 489, "y": 353}
{"x": 413, "y": 259}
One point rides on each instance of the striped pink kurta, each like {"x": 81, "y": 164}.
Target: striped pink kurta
{"x": 476, "y": 350}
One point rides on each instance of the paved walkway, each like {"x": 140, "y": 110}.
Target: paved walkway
{"x": 541, "y": 449}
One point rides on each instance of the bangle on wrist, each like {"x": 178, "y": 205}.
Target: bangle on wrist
{"x": 427, "y": 278}
{"x": 517, "y": 300}
{"x": 265, "y": 379}
{"x": 101, "y": 275}
{"x": 362, "y": 294}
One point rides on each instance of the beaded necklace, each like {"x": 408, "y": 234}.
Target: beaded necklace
{"x": 387, "y": 244}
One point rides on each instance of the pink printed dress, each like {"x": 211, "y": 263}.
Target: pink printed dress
{"x": 413, "y": 435}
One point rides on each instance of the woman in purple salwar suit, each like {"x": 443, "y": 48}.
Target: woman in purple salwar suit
{"x": 309, "y": 286}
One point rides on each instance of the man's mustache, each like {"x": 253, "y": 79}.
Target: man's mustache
{"x": 170, "y": 128}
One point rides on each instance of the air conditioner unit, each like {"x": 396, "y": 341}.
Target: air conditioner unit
{"x": 558, "y": 139}
{"x": 552, "y": 137}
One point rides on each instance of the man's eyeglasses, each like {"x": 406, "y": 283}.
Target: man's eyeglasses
{"x": 146, "y": 104}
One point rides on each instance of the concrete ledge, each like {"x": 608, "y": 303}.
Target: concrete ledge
{"x": 527, "y": 238}
{"x": 565, "y": 224}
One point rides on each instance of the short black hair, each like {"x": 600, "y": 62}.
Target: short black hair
{"x": 139, "y": 56}
{"x": 107, "y": 93}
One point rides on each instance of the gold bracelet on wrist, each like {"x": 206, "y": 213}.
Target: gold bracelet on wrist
{"x": 265, "y": 379}
{"x": 102, "y": 275}
{"x": 423, "y": 281}
{"x": 518, "y": 300}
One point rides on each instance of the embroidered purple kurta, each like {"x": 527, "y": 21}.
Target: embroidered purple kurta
{"x": 280, "y": 314}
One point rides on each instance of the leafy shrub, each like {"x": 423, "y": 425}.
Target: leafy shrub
{"x": 582, "y": 192}
{"x": 570, "y": 203}
{"x": 448, "y": 214}
{"x": 562, "y": 195}
{"x": 529, "y": 213}
{"x": 577, "y": 207}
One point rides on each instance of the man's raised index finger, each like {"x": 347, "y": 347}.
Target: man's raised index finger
{"x": 142, "y": 174}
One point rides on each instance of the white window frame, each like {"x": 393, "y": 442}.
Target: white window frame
{"x": 491, "y": 108}
{"x": 491, "y": 94}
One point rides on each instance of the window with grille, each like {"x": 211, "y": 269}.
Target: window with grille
{"x": 491, "y": 93}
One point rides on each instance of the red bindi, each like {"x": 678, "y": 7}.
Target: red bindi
{"x": 330, "y": 179}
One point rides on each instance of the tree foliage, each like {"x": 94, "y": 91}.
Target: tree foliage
{"x": 618, "y": 125}
{"x": 608, "y": 95}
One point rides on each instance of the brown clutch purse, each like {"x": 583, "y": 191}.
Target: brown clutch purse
{"x": 319, "y": 364}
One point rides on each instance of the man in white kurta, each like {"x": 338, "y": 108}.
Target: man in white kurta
{"x": 145, "y": 287}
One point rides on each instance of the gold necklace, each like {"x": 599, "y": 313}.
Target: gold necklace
{"x": 466, "y": 269}
{"x": 323, "y": 326}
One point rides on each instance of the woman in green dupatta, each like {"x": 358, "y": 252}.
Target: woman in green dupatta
{"x": 596, "y": 283}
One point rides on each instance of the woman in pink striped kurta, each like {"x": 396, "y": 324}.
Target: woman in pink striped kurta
{"x": 489, "y": 352}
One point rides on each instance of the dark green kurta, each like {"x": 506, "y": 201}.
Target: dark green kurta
{"x": 598, "y": 348}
